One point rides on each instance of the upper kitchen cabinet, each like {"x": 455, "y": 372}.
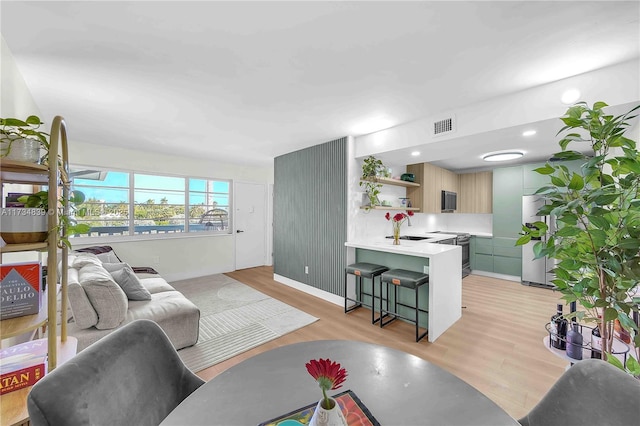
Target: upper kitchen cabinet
{"x": 474, "y": 189}
{"x": 476, "y": 193}
{"x": 433, "y": 180}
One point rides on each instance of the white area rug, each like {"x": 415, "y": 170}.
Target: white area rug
{"x": 233, "y": 319}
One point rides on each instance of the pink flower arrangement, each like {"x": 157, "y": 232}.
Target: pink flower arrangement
{"x": 329, "y": 376}
{"x": 397, "y": 220}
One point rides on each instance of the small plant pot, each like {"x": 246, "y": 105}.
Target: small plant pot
{"x": 23, "y": 225}
{"x": 27, "y": 150}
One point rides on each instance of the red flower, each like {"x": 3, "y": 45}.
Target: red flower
{"x": 328, "y": 374}
{"x": 387, "y": 216}
{"x": 399, "y": 216}
{"x": 410, "y": 212}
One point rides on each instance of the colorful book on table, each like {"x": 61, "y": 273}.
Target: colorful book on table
{"x": 22, "y": 365}
{"x": 354, "y": 411}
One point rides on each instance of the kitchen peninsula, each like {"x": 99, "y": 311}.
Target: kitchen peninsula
{"x": 441, "y": 261}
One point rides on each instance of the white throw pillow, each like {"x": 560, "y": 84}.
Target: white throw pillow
{"x": 107, "y": 298}
{"x": 129, "y": 282}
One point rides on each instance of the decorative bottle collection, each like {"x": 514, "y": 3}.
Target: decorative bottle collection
{"x": 558, "y": 329}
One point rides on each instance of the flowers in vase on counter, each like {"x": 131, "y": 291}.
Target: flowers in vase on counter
{"x": 329, "y": 376}
{"x": 397, "y": 220}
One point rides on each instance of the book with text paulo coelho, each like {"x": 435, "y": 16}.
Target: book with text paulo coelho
{"x": 20, "y": 289}
{"x": 22, "y": 365}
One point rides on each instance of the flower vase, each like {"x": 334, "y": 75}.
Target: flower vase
{"x": 396, "y": 234}
{"x": 328, "y": 417}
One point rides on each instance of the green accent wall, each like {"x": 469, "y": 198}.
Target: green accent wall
{"x": 310, "y": 215}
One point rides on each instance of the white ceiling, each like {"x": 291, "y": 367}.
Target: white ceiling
{"x": 243, "y": 82}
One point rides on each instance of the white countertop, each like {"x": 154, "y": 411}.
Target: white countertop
{"x": 423, "y": 248}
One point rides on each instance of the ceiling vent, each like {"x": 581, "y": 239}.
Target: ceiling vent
{"x": 443, "y": 126}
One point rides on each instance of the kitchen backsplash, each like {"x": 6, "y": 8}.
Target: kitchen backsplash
{"x": 372, "y": 224}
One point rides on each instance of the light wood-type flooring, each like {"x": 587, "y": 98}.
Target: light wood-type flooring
{"x": 496, "y": 346}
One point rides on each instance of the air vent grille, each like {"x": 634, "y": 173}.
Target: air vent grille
{"x": 443, "y": 126}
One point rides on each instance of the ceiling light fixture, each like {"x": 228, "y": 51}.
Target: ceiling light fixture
{"x": 503, "y": 156}
{"x": 415, "y": 153}
{"x": 570, "y": 96}
{"x": 527, "y": 133}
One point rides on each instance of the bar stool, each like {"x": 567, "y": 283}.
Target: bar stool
{"x": 363, "y": 270}
{"x": 407, "y": 279}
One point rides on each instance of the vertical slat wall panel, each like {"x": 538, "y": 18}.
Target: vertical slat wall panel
{"x": 310, "y": 217}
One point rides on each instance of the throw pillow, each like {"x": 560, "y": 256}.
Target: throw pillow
{"x": 130, "y": 283}
{"x": 106, "y": 297}
{"x": 110, "y": 267}
{"x": 83, "y": 259}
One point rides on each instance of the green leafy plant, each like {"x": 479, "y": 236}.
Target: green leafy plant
{"x": 597, "y": 210}
{"x": 13, "y": 129}
{"x": 371, "y": 168}
{"x": 66, "y": 224}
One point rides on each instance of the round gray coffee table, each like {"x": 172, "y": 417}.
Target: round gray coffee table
{"x": 398, "y": 389}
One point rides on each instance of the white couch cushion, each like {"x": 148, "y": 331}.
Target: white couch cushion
{"x": 83, "y": 313}
{"x": 107, "y": 298}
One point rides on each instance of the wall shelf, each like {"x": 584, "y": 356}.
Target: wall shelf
{"x": 414, "y": 209}
{"x": 388, "y": 181}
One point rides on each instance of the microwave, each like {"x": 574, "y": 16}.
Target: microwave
{"x": 449, "y": 201}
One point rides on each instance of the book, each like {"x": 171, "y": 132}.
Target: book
{"x": 22, "y": 365}
{"x": 20, "y": 289}
{"x": 354, "y": 411}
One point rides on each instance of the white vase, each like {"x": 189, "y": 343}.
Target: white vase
{"x": 27, "y": 150}
{"x": 328, "y": 417}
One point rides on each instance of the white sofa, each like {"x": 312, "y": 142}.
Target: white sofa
{"x": 102, "y": 293}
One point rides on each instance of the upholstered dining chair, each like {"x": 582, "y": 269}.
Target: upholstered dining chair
{"x": 133, "y": 376}
{"x": 591, "y": 392}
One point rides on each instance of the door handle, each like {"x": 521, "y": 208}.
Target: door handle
{"x": 238, "y": 231}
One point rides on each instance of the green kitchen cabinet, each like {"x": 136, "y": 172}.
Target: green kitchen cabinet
{"x": 507, "y": 257}
{"x": 482, "y": 254}
{"x": 507, "y": 201}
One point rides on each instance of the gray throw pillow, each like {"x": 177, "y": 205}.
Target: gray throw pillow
{"x": 130, "y": 283}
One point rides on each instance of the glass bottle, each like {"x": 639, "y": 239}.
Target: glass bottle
{"x": 558, "y": 329}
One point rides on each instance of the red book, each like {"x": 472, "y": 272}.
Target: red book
{"x": 20, "y": 289}
{"x": 22, "y": 365}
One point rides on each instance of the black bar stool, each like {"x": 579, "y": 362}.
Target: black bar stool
{"x": 407, "y": 279}
{"x": 363, "y": 270}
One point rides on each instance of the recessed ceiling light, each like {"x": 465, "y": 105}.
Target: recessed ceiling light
{"x": 503, "y": 156}
{"x": 570, "y": 96}
{"x": 528, "y": 133}
{"x": 415, "y": 153}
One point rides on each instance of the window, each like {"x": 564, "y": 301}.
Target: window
{"x": 130, "y": 203}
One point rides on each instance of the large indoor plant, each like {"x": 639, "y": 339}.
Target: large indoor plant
{"x": 21, "y": 140}
{"x": 597, "y": 209}
{"x": 371, "y": 169}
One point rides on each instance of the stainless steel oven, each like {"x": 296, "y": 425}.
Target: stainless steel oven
{"x": 462, "y": 239}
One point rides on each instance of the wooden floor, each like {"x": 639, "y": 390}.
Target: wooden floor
{"x": 496, "y": 346}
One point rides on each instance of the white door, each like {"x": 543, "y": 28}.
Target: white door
{"x": 250, "y": 223}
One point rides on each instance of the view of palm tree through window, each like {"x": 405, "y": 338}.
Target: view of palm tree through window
{"x": 129, "y": 203}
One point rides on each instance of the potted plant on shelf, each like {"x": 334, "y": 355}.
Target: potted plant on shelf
{"x": 21, "y": 140}
{"x": 597, "y": 240}
{"x": 371, "y": 169}
{"x": 66, "y": 224}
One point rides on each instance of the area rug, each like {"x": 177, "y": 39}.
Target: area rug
{"x": 233, "y": 319}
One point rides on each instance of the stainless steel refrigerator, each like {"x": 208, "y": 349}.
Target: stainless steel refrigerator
{"x": 536, "y": 272}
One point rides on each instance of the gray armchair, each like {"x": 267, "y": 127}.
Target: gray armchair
{"x": 133, "y": 376}
{"x": 591, "y": 392}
